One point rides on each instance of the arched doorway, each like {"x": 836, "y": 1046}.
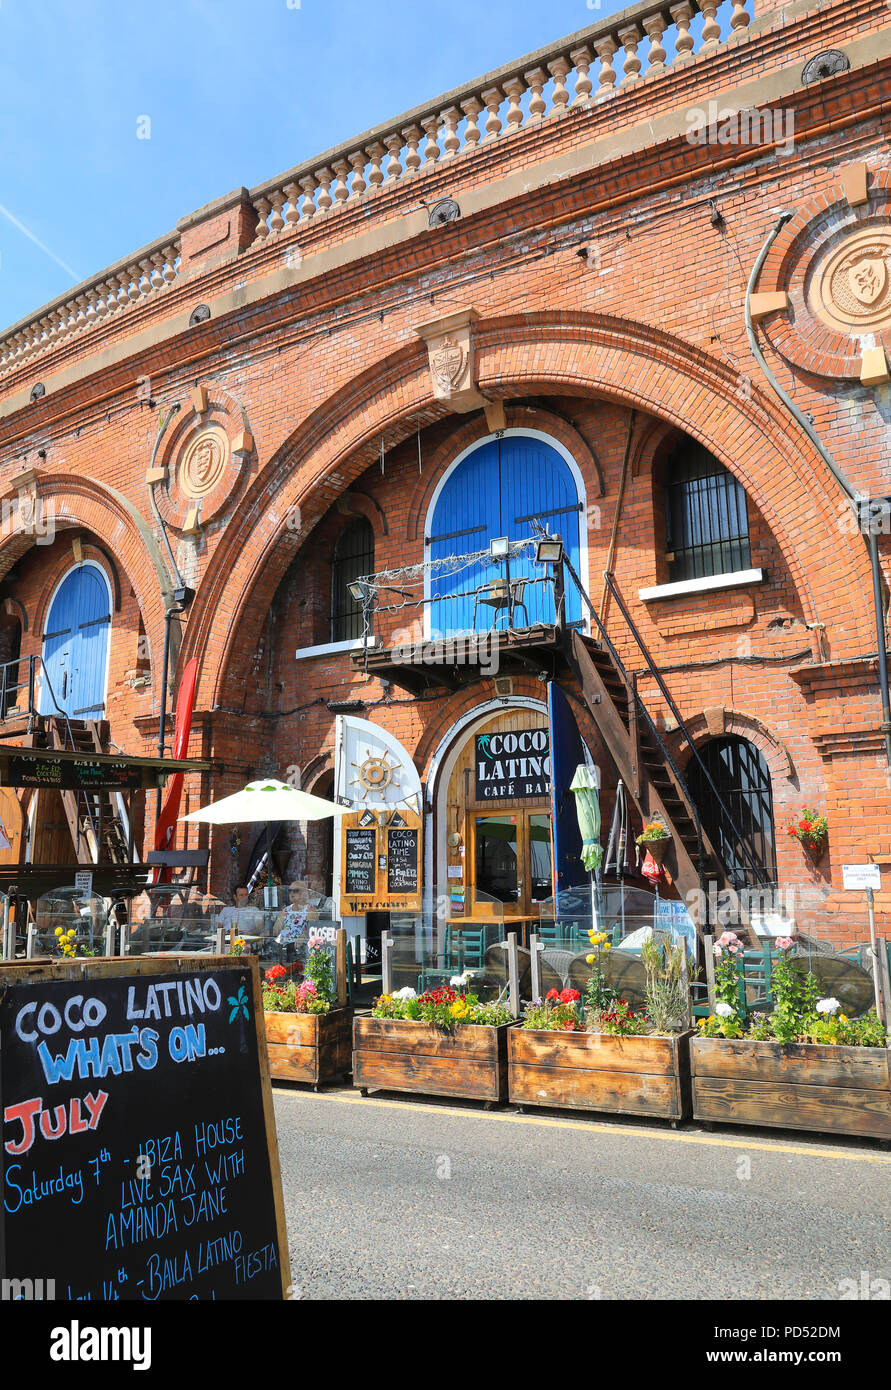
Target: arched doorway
{"x": 497, "y": 488}
{"x": 492, "y": 808}
{"x": 75, "y": 645}
{"x": 742, "y": 778}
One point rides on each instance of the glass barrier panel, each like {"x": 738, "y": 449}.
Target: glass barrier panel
{"x": 170, "y": 917}
{"x": 442, "y": 946}
{"x": 68, "y": 922}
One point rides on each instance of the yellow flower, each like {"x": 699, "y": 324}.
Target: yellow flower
{"x": 239, "y": 941}
{"x": 58, "y": 931}
{"x": 607, "y": 946}
{"x": 589, "y": 960}
{"x": 843, "y": 1018}
{"x": 459, "y": 1008}
{"x": 72, "y": 933}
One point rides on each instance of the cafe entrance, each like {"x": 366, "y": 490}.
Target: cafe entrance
{"x": 497, "y": 822}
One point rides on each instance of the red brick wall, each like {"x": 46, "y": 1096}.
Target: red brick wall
{"x": 651, "y": 321}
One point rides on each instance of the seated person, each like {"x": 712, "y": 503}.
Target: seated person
{"x": 291, "y": 922}
{"x": 245, "y": 920}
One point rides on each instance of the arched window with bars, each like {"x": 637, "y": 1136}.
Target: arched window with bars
{"x": 353, "y": 558}
{"x": 706, "y": 516}
{"x": 742, "y": 780}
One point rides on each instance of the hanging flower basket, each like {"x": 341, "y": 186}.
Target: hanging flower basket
{"x": 810, "y": 829}
{"x": 654, "y": 841}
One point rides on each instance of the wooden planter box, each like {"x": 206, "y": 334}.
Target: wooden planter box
{"x": 838, "y": 1090}
{"x": 394, "y": 1054}
{"x": 596, "y": 1071}
{"x": 309, "y": 1047}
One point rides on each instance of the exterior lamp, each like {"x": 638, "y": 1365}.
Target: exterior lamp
{"x": 499, "y": 548}
{"x": 549, "y": 551}
{"x": 357, "y": 591}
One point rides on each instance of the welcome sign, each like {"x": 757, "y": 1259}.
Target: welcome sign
{"x": 513, "y": 765}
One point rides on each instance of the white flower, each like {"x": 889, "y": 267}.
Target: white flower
{"x": 458, "y": 980}
{"x": 723, "y": 1010}
{"x": 407, "y": 993}
{"x": 827, "y": 1006}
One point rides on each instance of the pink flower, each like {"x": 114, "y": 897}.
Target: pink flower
{"x": 784, "y": 942}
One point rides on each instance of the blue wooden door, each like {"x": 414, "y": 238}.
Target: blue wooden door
{"x": 75, "y": 646}
{"x": 497, "y": 491}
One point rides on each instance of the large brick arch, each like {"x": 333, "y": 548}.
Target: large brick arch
{"x": 554, "y": 353}
{"x": 126, "y": 540}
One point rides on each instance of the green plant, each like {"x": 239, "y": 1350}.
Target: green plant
{"x": 667, "y": 991}
{"x": 554, "y": 1015}
{"x": 442, "y": 1007}
{"x": 838, "y": 1029}
{"x": 655, "y": 830}
{"x": 795, "y": 995}
{"x": 320, "y": 969}
{"x": 622, "y": 1021}
{"x": 598, "y": 994}
{"x": 282, "y": 995}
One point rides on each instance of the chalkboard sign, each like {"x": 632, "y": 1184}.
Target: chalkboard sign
{"x": 139, "y": 1157}
{"x": 402, "y": 861}
{"x": 46, "y": 771}
{"x": 359, "y": 869}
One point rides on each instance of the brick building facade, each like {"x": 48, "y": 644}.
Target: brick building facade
{"x": 575, "y": 236}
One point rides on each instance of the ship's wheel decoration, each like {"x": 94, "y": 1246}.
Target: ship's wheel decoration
{"x": 375, "y": 774}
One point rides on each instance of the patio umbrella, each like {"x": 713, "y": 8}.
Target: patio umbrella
{"x": 587, "y": 809}
{"x": 585, "y": 786}
{"x": 263, "y": 802}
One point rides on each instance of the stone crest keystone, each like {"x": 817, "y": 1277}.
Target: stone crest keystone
{"x": 450, "y": 348}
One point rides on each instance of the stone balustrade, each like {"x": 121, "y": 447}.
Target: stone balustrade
{"x": 583, "y": 71}
{"x": 94, "y": 301}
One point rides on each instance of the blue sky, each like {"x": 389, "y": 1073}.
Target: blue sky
{"x": 236, "y": 90}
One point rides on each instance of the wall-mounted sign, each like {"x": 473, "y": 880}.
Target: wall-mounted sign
{"x": 381, "y": 863}
{"x": 43, "y": 770}
{"x": 861, "y": 876}
{"x": 358, "y": 859}
{"x": 512, "y": 765}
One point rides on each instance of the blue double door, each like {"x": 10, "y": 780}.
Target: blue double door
{"x": 499, "y": 490}
{"x": 75, "y": 646}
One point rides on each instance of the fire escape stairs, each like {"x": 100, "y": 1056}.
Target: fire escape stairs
{"x": 96, "y": 829}
{"x": 639, "y": 755}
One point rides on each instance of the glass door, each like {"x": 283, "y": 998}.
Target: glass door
{"x": 511, "y": 859}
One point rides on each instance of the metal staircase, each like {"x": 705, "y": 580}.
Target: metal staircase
{"x": 646, "y": 765}
{"x": 97, "y": 831}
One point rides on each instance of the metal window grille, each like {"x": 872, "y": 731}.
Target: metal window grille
{"x": 741, "y": 776}
{"x": 353, "y": 558}
{"x": 706, "y": 516}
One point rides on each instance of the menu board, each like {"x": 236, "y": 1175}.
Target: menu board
{"x": 402, "y": 861}
{"x": 43, "y": 770}
{"x": 359, "y": 870}
{"x": 139, "y": 1157}
{"x": 380, "y": 861}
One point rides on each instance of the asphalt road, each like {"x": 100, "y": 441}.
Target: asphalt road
{"x": 399, "y": 1198}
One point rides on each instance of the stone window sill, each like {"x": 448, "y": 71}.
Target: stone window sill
{"x": 708, "y": 585}
{"x": 352, "y": 644}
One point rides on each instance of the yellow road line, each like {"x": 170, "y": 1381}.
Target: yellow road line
{"x": 550, "y": 1122}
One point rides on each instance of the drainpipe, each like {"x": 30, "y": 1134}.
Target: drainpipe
{"x": 841, "y": 479}
{"x": 181, "y": 596}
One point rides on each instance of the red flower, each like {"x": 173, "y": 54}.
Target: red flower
{"x": 276, "y": 972}
{"x": 804, "y": 825}
{"x": 569, "y": 1027}
{"x": 552, "y": 994}
{"x": 569, "y": 996}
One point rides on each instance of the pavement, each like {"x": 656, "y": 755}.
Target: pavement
{"x": 391, "y": 1197}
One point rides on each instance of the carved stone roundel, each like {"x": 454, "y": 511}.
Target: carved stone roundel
{"x": 204, "y": 461}
{"x": 852, "y": 289}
